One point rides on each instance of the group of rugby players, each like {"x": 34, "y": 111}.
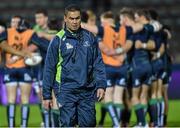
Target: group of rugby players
{"x": 135, "y": 53}
{"x": 19, "y": 40}
{"x": 138, "y": 65}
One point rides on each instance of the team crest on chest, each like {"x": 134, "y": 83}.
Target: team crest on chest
{"x": 86, "y": 44}
{"x": 69, "y": 46}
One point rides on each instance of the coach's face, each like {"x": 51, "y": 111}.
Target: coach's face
{"x": 73, "y": 20}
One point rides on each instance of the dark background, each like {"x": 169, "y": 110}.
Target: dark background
{"x": 169, "y": 11}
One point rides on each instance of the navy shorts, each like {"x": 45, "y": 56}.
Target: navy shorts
{"x": 157, "y": 69}
{"x": 116, "y": 75}
{"x": 141, "y": 74}
{"x": 23, "y": 75}
{"x": 167, "y": 75}
{"x": 37, "y": 72}
{"x": 167, "y": 69}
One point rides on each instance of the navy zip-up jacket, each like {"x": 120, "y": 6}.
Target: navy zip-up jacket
{"x": 73, "y": 62}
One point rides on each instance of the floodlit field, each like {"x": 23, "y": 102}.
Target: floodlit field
{"x": 35, "y": 118}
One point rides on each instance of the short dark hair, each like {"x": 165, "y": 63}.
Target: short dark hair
{"x": 144, "y": 12}
{"x": 129, "y": 12}
{"x": 71, "y": 8}
{"x": 43, "y": 11}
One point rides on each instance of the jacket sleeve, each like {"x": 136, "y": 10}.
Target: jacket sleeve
{"x": 40, "y": 42}
{"x": 98, "y": 67}
{"x": 50, "y": 68}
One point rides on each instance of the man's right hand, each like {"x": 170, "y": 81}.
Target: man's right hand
{"x": 26, "y": 53}
{"x": 47, "y": 104}
{"x": 138, "y": 44}
{"x": 100, "y": 94}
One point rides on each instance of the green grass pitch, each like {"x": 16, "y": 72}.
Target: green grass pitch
{"x": 35, "y": 118}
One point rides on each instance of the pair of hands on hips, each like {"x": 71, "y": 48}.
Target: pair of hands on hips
{"x": 139, "y": 44}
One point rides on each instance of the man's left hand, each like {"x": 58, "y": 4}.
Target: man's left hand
{"x": 138, "y": 44}
{"x": 100, "y": 94}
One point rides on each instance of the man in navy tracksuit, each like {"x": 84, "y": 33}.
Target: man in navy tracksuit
{"x": 75, "y": 68}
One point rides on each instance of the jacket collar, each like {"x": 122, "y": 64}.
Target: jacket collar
{"x": 72, "y": 34}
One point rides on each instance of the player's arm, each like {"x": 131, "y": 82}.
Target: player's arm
{"x": 4, "y": 46}
{"x": 104, "y": 49}
{"x": 41, "y": 43}
{"x": 150, "y": 45}
{"x": 153, "y": 26}
{"x": 161, "y": 51}
{"x": 120, "y": 50}
{"x": 33, "y": 47}
{"x": 91, "y": 28}
{"x": 125, "y": 48}
{"x": 167, "y": 34}
{"x": 45, "y": 35}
